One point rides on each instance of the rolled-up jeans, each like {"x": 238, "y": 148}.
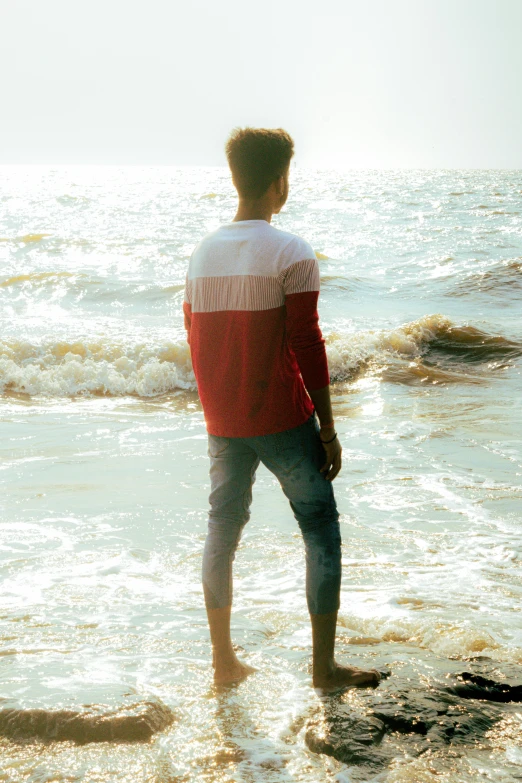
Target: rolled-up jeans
{"x": 295, "y": 457}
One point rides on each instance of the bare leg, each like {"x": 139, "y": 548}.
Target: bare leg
{"x": 227, "y": 667}
{"x": 327, "y": 673}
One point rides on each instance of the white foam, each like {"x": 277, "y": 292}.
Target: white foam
{"x": 347, "y": 352}
{"x": 101, "y": 367}
{"x": 441, "y": 637}
{"x": 68, "y": 369}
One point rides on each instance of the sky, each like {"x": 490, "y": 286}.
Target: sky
{"x": 357, "y": 83}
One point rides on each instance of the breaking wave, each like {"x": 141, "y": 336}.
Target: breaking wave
{"x": 498, "y": 279}
{"x": 431, "y": 349}
{"x": 66, "y": 369}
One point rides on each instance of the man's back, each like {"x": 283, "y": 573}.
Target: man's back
{"x": 251, "y": 315}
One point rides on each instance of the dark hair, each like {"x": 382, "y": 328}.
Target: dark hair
{"x": 258, "y": 156}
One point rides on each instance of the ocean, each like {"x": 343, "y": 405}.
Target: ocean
{"x": 104, "y": 474}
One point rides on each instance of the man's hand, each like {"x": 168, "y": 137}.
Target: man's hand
{"x": 323, "y": 408}
{"x": 333, "y": 452}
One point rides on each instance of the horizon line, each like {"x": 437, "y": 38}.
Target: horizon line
{"x": 224, "y": 166}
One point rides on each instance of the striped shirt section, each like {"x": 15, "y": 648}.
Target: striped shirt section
{"x": 236, "y": 292}
{"x": 301, "y": 276}
{"x": 251, "y": 292}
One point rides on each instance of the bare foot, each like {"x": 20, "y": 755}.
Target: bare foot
{"x": 232, "y": 673}
{"x": 347, "y": 677}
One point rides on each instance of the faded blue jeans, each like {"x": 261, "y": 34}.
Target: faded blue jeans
{"x": 294, "y": 457}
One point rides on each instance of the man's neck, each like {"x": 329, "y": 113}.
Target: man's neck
{"x": 253, "y": 211}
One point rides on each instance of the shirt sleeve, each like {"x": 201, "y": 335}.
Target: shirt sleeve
{"x": 301, "y": 283}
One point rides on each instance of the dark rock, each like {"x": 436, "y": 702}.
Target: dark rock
{"x": 133, "y": 719}
{"x": 413, "y": 712}
{"x": 474, "y": 686}
{"x": 364, "y": 732}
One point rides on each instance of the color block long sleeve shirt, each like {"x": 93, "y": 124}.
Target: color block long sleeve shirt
{"x": 253, "y": 328}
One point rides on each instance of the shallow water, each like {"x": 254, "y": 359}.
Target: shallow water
{"x": 104, "y": 469}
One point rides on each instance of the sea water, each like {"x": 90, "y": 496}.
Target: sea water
{"x": 103, "y": 461}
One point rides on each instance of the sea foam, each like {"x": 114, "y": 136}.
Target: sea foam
{"x": 65, "y": 369}
{"x": 101, "y": 367}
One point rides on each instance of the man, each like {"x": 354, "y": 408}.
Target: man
{"x": 260, "y": 365}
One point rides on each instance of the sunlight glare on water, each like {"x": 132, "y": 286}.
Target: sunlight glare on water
{"x": 104, "y": 467}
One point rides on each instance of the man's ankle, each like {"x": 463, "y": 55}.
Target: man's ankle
{"x": 223, "y": 657}
{"x": 324, "y": 668}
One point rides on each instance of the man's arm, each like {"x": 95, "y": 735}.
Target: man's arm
{"x": 187, "y": 308}
{"x": 306, "y": 340}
